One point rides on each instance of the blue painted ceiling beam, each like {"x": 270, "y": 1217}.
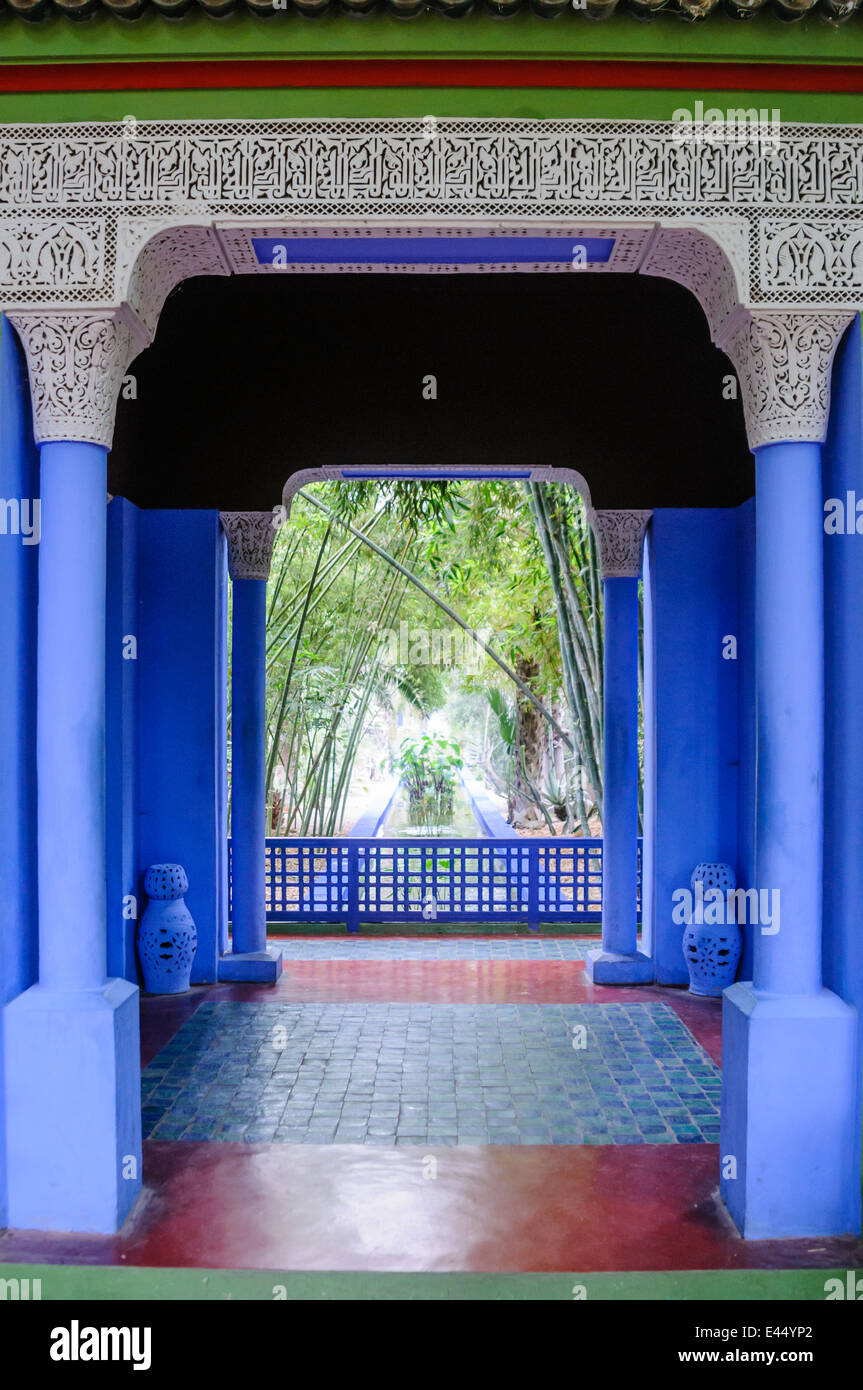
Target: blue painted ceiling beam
{"x": 435, "y": 250}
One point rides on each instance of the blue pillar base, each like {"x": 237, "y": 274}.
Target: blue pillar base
{"x": 789, "y": 1067}
{"x": 74, "y": 1107}
{"x": 257, "y": 967}
{"x": 616, "y": 968}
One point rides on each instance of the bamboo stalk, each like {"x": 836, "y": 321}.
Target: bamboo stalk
{"x": 450, "y": 612}
{"x": 288, "y": 678}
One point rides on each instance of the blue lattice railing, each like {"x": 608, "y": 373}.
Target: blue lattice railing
{"x": 434, "y": 881}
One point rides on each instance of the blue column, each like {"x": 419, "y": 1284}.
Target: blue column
{"x": 789, "y": 1045}
{"x": 249, "y": 959}
{"x": 72, "y": 1039}
{"x": 789, "y": 619}
{"x": 619, "y": 961}
{"x": 620, "y": 766}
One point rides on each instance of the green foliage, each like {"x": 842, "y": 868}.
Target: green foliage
{"x": 424, "y": 687}
{"x": 504, "y": 716}
{"x": 428, "y": 767}
{"x": 431, "y": 759}
{"x": 570, "y": 560}
{"x": 414, "y": 506}
{"x": 358, "y": 559}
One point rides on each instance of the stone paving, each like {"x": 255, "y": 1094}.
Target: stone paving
{"x": 404, "y": 948}
{"x": 433, "y": 1074}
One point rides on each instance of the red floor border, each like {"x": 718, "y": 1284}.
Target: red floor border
{"x": 495, "y": 1209}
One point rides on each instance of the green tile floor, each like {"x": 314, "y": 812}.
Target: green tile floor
{"x": 433, "y": 1074}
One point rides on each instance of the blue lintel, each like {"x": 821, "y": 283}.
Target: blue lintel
{"x": 435, "y": 250}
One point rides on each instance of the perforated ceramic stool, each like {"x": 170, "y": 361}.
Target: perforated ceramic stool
{"x": 167, "y": 937}
{"x": 712, "y": 948}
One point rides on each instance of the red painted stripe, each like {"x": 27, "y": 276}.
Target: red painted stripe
{"x": 427, "y": 72}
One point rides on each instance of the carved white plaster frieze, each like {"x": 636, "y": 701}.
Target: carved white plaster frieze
{"x": 807, "y": 261}
{"x": 494, "y": 164}
{"x": 118, "y": 214}
{"x": 51, "y": 259}
{"x": 783, "y": 362}
{"x": 76, "y": 362}
{"x": 76, "y": 200}
{"x": 620, "y": 536}
{"x": 250, "y": 542}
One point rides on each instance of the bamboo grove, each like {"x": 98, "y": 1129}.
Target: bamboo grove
{"x": 390, "y": 601}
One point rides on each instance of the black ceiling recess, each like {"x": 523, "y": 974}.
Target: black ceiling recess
{"x": 253, "y": 378}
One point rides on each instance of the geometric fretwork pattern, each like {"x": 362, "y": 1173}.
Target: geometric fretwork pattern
{"x": 435, "y": 881}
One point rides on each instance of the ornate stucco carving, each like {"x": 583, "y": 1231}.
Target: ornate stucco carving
{"x": 250, "y": 542}
{"x": 620, "y": 535}
{"x": 75, "y": 199}
{"x": 153, "y": 258}
{"x": 821, "y": 257}
{"x": 117, "y": 214}
{"x": 76, "y": 362}
{"x": 783, "y": 362}
{"x": 713, "y": 266}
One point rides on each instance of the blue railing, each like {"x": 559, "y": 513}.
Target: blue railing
{"x": 441, "y": 881}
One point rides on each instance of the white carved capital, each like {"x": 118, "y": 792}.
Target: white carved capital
{"x": 783, "y": 360}
{"x": 250, "y": 542}
{"x": 620, "y": 535}
{"x": 76, "y": 361}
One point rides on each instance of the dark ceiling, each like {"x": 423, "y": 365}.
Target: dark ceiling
{"x": 252, "y": 378}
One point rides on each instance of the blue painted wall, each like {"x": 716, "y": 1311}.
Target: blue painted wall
{"x": 121, "y": 679}
{"x": 691, "y": 714}
{"x": 181, "y": 693}
{"x": 648, "y": 710}
{"x": 843, "y": 642}
{"x": 222, "y": 605}
{"x": 746, "y": 714}
{"x": 19, "y": 478}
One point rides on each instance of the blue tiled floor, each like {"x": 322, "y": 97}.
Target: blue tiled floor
{"x": 433, "y": 1074}
{"x": 426, "y": 948}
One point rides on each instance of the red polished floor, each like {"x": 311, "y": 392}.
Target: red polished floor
{"x": 491, "y": 1208}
